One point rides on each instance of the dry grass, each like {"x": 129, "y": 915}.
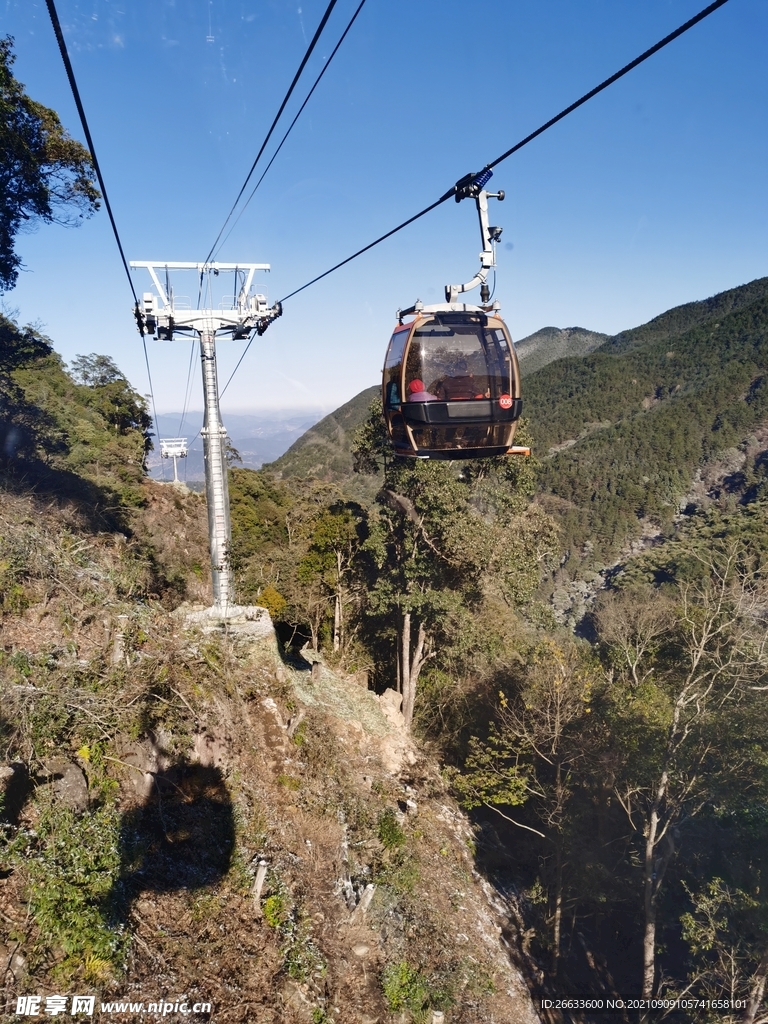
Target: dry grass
{"x": 188, "y": 738}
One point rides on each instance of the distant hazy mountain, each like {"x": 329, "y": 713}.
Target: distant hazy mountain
{"x": 258, "y": 437}
{"x": 550, "y": 343}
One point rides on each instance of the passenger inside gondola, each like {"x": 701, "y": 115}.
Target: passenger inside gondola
{"x": 458, "y": 384}
{"x": 449, "y": 386}
{"x": 418, "y": 393}
{"x": 393, "y": 395}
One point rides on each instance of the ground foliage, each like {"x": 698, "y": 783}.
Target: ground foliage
{"x": 191, "y": 778}
{"x": 81, "y": 436}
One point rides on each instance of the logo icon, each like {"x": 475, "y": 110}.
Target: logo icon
{"x": 505, "y": 401}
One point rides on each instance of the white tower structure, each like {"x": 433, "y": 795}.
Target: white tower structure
{"x": 238, "y": 317}
{"x": 173, "y": 448}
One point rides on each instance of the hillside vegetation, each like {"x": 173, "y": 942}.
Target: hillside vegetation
{"x": 624, "y": 431}
{"x": 324, "y": 451}
{"x": 202, "y": 817}
{"x": 632, "y": 760}
{"x": 150, "y": 769}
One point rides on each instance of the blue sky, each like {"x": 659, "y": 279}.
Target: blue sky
{"x": 651, "y": 195}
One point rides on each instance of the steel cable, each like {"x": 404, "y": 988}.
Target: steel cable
{"x": 92, "y": 149}
{"x": 528, "y": 138}
{"x": 293, "y": 122}
{"x": 268, "y": 136}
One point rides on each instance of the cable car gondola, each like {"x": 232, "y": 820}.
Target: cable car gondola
{"x": 451, "y": 384}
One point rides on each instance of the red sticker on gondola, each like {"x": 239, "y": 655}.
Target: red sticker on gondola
{"x": 505, "y": 401}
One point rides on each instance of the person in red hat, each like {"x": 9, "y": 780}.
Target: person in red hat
{"x": 418, "y": 393}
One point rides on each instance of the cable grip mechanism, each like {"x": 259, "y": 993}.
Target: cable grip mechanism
{"x": 471, "y": 186}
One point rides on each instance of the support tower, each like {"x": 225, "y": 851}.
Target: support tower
{"x": 239, "y": 317}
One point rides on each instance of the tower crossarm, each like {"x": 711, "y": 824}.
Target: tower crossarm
{"x": 160, "y": 315}
{"x": 173, "y": 447}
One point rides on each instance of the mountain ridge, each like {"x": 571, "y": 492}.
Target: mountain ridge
{"x": 323, "y": 451}
{"x": 544, "y": 346}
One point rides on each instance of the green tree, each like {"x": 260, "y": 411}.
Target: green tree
{"x": 20, "y": 420}
{"x": 727, "y": 933}
{"x": 45, "y": 174}
{"x": 427, "y": 563}
{"x": 336, "y": 540}
{"x": 535, "y": 751}
{"x": 109, "y": 392}
{"x": 444, "y": 537}
{"x": 95, "y": 370}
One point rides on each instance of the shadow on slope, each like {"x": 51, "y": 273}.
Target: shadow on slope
{"x": 181, "y": 837}
{"x": 100, "y": 508}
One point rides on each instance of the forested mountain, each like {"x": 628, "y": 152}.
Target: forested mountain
{"x": 624, "y": 431}
{"x": 618, "y": 784}
{"x": 324, "y": 451}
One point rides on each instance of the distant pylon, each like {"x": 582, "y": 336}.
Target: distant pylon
{"x": 173, "y": 448}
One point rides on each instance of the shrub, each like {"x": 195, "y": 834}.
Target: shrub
{"x": 73, "y": 869}
{"x": 391, "y": 835}
{"x": 405, "y": 988}
{"x": 275, "y": 910}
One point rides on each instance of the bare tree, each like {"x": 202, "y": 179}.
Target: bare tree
{"x": 634, "y": 623}
{"x": 719, "y": 648}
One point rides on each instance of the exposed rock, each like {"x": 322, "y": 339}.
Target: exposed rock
{"x": 391, "y": 705}
{"x": 365, "y": 901}
{"x": 209, "y": 748}
{"x": 69, "y": 784}
{"x": 297, "y": 996}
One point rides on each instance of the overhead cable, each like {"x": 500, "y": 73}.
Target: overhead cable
{"x": 242, "y": 357}
{"x": 296, "y": 77}
{"x": 290, "y": 127}
{"x": 523, "y": 142}
{"x": 92, "y": 149}
{"x": 78, "y": 103}
{"x": 614, "y": 78}
{"x": 187, "y": 389}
